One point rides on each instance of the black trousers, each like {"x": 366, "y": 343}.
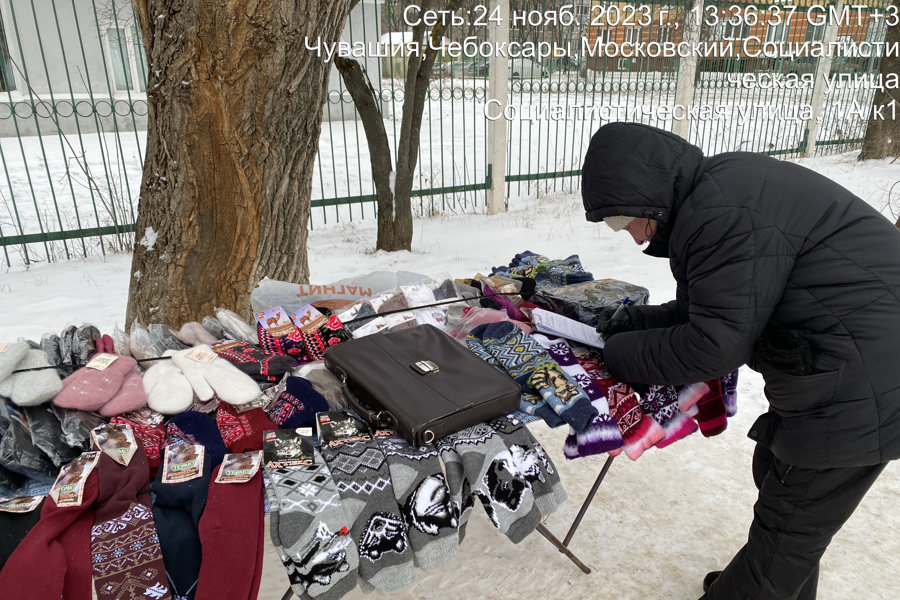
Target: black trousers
{"x": 797, "y": 513}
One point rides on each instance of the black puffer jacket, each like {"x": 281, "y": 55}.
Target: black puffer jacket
{"x": 761, "y": 247}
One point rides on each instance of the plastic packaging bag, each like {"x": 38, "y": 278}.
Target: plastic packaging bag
{"x": 582, "y": 301}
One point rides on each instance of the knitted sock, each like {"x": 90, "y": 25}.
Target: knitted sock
{"x": 31, "y": 388}
{"x": 290, "y": 345}
{"x": 661, "y": 403}
{"x": 126, "y": 556}
{"x": 711, "y": 410}
{"x": 329, "y": 334}
{"x": 231, "y": 536}
{"x": 152, "y": 438}
{"x": 261, "y": 365}
{"x": 461, "y": 497}
{"x": 243, "y": 432}
{"x": 297, "y": 405}
{"x": 361, "y": 473}
{"x": 491, "y": 468}
{"x": 194, "y": 427}
{"x": 311, "y": 526}
{"x": 529, "y": 402}
{"x": 177, "y": 508}
{"x": 421, "y": 491}
{"x": 523, "y": 358}
{"x": 535, "y": 467}
{"x": 54, "y": 558}
{"x": 602, "y": 435}
{"x": 638, "y": 430}
{"x": 729, "y": 392}
{"x": 89, "y": 389}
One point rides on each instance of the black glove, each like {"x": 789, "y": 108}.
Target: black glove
{"x": 612, "y": 320}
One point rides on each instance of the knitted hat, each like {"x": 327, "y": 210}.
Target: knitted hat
{"x": 618, "y": 223}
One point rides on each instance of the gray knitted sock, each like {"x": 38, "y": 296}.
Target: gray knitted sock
{"x": 421, "y": 490}
{"x": 361, "y": 473}
{"x": 31, "y": 388}
{"x": 501, "y": 477}
{"x": 312, "y": 530}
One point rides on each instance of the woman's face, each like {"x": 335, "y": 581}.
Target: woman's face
{"x": 642, "y": 230}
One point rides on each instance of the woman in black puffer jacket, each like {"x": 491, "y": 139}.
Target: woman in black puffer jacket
{"x": 784, "y": 270}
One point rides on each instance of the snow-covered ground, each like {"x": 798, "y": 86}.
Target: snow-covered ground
{"x": 658, "y": 524}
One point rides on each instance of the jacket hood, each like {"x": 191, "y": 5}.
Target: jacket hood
{"x": 637, "y": 171}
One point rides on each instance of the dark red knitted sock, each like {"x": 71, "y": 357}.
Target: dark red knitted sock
{"x": 54, "y": 558}
{"x": 231, "y": 532}
{"x": 711, "y": 415}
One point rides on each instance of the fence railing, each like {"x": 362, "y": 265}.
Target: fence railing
{"x": 73, "y": 107}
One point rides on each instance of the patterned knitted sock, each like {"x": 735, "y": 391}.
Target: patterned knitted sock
{"x": 528, "y": 363}
{"x": 287, "y": 345}
{"x": 152, "y": 438}
{"x": 363, "y": 479}
{"x": 461, "y": 497}
{"x": 711, "y": 410}
{"x": 535, "y": 466}
{"x": 690, "y": 395}
{"x": 729, "y": 392}
{"x": 421, "y": 491}
{"x": 602, "y": 435}
{"x": 329, "y": 334}
{"x": 530, "y": 402}
{"x": 297, "y": 405}
{"x": 126, "y": 556}
{"x": 231, "y": 536}
{"x": 243, "y": 431}
{"x": 495, "y": 472}
{"x": 310, "y": 526}
{"x": 639, "y": 431}
{"x": 261, "y": 365}
{"x": 661, "y": 403}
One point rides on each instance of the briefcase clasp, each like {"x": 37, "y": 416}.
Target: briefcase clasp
{"x": 424, "y": 367}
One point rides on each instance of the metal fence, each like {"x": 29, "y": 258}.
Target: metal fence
{"x": 73, "y": 106}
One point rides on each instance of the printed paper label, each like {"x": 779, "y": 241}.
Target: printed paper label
{"x": 239, "y": 468}
{"x": 116, "y": 440}
{"x": 4, "y": 347}
{"x": 275, "y": 321}
{"x": 102, "y": 361}
{"x": 182, "y": 462}
{"x": 200, "y": 355}
{"x": 288, "y": 447}
{"x": 68, "y": 488}
{"x": 308, "y": 319}
{"x": 339, "y": 427}
{"x": 220, "y": 345}
{"x": 22, "y": 504}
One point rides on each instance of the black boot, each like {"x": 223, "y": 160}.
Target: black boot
{"x": 709, "y": 579}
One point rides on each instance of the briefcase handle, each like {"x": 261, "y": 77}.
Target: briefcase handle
{"x": 381, "y": 419}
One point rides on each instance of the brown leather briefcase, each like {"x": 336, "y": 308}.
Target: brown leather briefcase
{"x": 420, "y": 382}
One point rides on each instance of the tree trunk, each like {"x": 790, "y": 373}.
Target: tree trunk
{"x": 882, "y": 137}
{"x": 395, "y": 223}
{"x": 235, "y": 109}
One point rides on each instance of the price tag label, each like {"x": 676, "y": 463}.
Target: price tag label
{"x": 4, "y": 347}
{"x": 102, "y": 361}
{"x": 201, "y": 355}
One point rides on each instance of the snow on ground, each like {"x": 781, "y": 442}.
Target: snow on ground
{"x": 658, "y": 524}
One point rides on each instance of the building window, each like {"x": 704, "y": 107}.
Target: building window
{"x": 664, "y": 34}
{"x": 126, "y": 59}
{"x": 815, "y": 33}
{"x": 7, "y": 79}
{"x": 729, "y": 31}
{"x": 633, "y": 35}
{"x": 778, "y": 33}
